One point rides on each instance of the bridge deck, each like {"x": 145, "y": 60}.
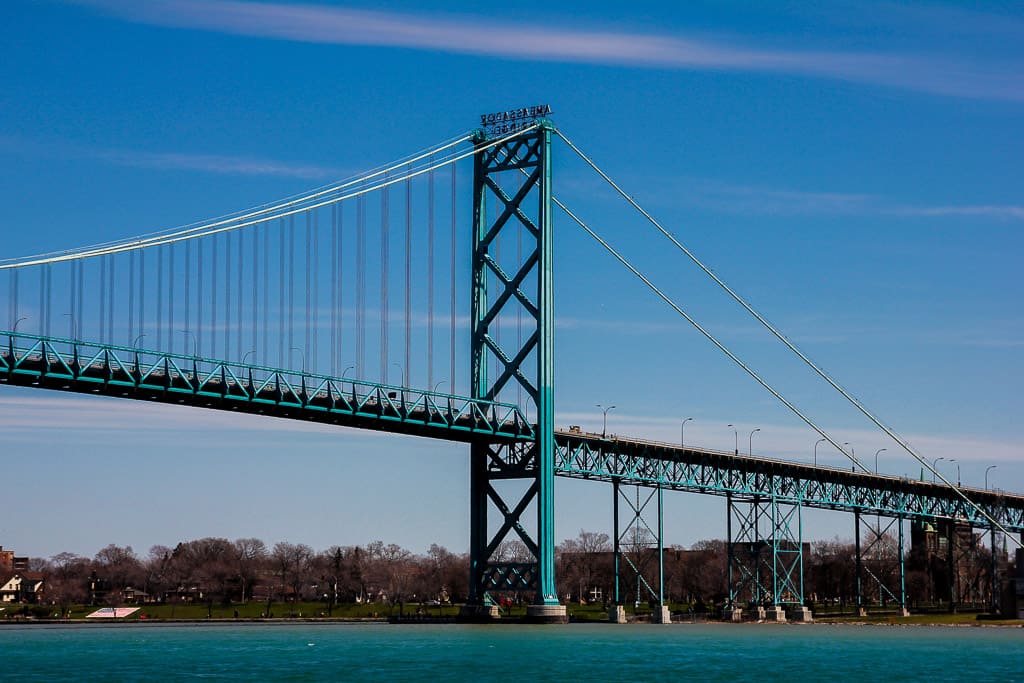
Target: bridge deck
{"x": 650, "y": 463}
{"x": 118, "y": 371}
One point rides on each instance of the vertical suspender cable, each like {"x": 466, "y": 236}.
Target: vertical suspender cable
{"x": 266, "y": 293}
{"x": 102, "y": 292}
{"x": 341, "y": 279}
{"x": 131, "y": 296}
{"x": 228, "y": 240}
{"x": 80, "y": 318}
{"x": 238, "y": 302}
{"x": 281, "y": 272}
{"x": 49, "y": 297}
{"x": 334, "y": 291}
{"x": 430, "y": 278}
{"x": 306, "y": 343}
{"x": 255, "y": 275}
{"x": 142, "y": 293}
{"x": 291, "y": 287}
{"x": 360, "y": 286}
{"x": 451, "y": 342}
{"x": 408, "y": 281}
{"x": 159, "y": 296}
{"x": 384, "y": 303}
{"x": 199, "y": 296}
{"x": 316, "y": 292}
{"x": 170, "y": 296}
{"x": 188, "y": 294}
{"x": 42, "y": 300}
{"x": 215, "y": 240}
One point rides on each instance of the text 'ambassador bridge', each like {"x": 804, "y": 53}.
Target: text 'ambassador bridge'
{"x": 226, "y": 314}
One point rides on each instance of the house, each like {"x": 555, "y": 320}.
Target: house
{"x": 21, "y": 586}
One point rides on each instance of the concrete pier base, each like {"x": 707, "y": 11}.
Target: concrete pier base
{"x": 801, "y": 614}
{"x": 547, "y": 614}
{"x": 862, "y": 612}
{"x": 756, "y": 613}
{"x": 617, "y": 614}
{"x": 775, "y": 613}
{"x": 732, "y": 614}
{"x": 479, "y": 613}
{"x": 903, "y": 612}
{"x": 661, "y": 615}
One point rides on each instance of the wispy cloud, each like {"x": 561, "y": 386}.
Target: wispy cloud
{"x": 210, "y": 163}
{"x": 986, "y": 211}
{"x": 937, "y": 74}
{"x": 184, "y": 161}
{"x": 725, "y": 197}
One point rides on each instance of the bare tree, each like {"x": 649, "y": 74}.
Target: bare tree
{"x": 250, "y": 554}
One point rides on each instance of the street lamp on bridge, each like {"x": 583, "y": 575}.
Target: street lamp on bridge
{"x": 816, "y": 450}
{"x": 935, "y": 467}
{"x": 990, "y": 467}
{"x": 876, "y": 458}
{"x": 682, "y": 432}
{"x": 957, "y": 470}
{"x": 604, "y": 423}
{"x": 736, "y": 439}
{"x": 750, "y": 443}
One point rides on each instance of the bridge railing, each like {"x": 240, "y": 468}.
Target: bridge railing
{"x": 120, "y": 370}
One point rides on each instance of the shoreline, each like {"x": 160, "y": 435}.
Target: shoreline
{"x": 324, "y": 621}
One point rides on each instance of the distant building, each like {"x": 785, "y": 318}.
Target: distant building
{"x": 10, "y": 563}
{"x": 21, "y": 586}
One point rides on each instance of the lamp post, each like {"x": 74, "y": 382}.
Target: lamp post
{"x": 935, "y": 467}
{"x": 750, "y": 442}
{"x": 816, "y": 450}
{"x": 195, "y": 342}
{"x": 990, "y": 467}
{"x": 135, "y": 345}
{"x": 249, "y": 369}
{"x": 682, "y": 432}
{"x": 604, "y": 422}
{"x": 957, "y": 470}
{"x": 736, "y": 439}
{"x": 876, "y": 458}
{"x": 345, "y": 372}
{"x": 15, "y": 328}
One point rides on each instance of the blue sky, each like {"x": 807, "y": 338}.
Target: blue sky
{"x": 853, "y": 169}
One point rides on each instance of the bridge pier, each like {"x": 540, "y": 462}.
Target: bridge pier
{"x": 637, "y": 538}
{"x": 765, "y": 557}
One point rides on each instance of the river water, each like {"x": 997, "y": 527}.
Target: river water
{"x": 597, "y": 652}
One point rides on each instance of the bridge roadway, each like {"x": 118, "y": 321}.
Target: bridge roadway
{"x": 111, "y": 370}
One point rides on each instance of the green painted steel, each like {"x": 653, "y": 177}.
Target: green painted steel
{"x": 648, "y": 463}
{"x": 85, "y": 367}
{"x": 532, "y": 462}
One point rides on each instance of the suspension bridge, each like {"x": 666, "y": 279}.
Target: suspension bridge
{"x": 304, "y": 308}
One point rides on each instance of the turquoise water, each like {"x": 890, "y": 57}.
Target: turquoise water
{"x": 599, "y": 652}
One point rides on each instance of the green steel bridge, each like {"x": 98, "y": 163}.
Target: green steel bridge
{"x": 220, "y": 301}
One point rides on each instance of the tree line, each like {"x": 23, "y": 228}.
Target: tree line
{"x": 219, "y": 571}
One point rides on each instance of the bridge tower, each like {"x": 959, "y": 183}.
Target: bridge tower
{"x": 511, "y": 481}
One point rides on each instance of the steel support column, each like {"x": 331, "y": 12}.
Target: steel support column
{"x": 501, "y": 292}
{"x": 856, "y": 536}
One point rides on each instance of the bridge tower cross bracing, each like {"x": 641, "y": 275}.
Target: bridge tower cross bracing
{"x": 526, "y": 290}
